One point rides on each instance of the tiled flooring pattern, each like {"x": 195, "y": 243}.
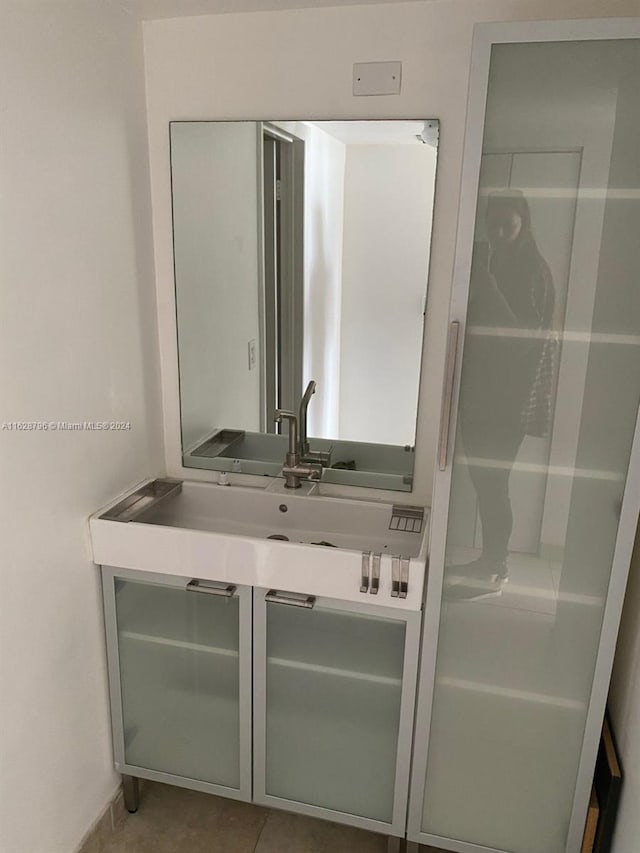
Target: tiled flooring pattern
{"x": 175, "y": 820}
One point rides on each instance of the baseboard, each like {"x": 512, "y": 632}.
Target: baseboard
{"x": 110, "y": 819}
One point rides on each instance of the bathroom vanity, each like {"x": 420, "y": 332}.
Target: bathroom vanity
{"x": 225, "y": 605}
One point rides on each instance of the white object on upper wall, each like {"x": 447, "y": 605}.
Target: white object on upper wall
{"x": 377, "y": 78}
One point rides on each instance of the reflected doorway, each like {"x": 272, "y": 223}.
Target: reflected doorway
{"x": 283, "y": 280}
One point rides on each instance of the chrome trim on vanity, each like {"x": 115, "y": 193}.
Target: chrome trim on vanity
{"x": 227, "y": 590}
{"x": 395, "y": 577}
{"x": 364, "y": 574}
{"x": 404, "y": 577}
{"x": 375, "y": 574}
{"x": 296, "y": 599}
{"x": 149, "y": 495}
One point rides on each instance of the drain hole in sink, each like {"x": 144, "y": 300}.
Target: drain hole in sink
{"x": 279, "y": 536}
{"x": 325, "y": 543}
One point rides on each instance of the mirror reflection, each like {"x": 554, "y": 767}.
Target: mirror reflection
{"x": 301, "y": 261}
{"x": 510, "y": 376}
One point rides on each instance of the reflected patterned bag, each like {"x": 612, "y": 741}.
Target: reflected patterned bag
{"x": 537, "y": 412}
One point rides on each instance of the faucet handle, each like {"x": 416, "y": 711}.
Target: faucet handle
{"x": 315, "y": 470}
{"x": 319, "y": 457}
{"x": 284, "y": 414}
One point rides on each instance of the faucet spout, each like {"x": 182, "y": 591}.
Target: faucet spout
{"x": 284, "y": 415}
{"x": 302, "y": 417}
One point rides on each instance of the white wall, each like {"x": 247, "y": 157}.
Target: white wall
{"x": 298, "y": 64}
{"x": 388, "y": 207}
{"x": 323, "y": 228}
{"x": 77, "y": 343}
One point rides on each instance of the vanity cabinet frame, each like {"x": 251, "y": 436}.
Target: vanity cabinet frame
{"x": 485, "y": 36}
{"x": 252, "y": 646}
{"x": 412, "y": 621}
{"x": 109, "y": 577}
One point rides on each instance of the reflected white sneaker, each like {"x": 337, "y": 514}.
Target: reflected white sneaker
{"x": 473, "y": 591}
{"x": 484, "y": 568}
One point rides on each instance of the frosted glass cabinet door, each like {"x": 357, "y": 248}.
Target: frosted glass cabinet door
{"x": 180, "y": 680}
{"x": 540, "y": 499}
{"x": 333, "y": 689}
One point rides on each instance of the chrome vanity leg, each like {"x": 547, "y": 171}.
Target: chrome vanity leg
{"x": 131, "y": 793}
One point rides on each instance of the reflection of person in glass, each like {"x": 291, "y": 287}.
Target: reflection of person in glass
{"x": 511, "y": 295}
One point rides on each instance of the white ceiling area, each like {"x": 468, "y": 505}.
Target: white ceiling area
{"x": 152, "y": 9}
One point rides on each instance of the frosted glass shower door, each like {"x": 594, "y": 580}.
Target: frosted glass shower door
{"x": 334, "y": 686}
{"x": 518, "y": 628}
{"x": 180, "y": 665}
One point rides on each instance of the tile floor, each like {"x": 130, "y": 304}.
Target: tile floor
{"x": 175, "y": 820}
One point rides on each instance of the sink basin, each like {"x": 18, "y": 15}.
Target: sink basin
{"x": 357, "y": 525}
{"x": 302, "y": 543}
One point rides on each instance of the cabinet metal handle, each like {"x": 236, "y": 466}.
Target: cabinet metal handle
{"x": 227, "y": 590}
{"x": 375, "y": 574}
{"x": 364, "y": 575}
{"x": 404, "y": 577}
{"x": 296, "y": 599}
{"x": 395, "y": 577}
{"x": 447, "y": 397}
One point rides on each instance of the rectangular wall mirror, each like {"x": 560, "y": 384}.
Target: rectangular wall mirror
{"x": 301, "y": 252}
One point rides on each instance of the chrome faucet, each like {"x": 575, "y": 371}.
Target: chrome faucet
{"x": 321, "y": 457}
{"x": 293, "y": 469}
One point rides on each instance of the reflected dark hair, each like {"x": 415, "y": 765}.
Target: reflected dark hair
{"x": 510, "y": 201}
